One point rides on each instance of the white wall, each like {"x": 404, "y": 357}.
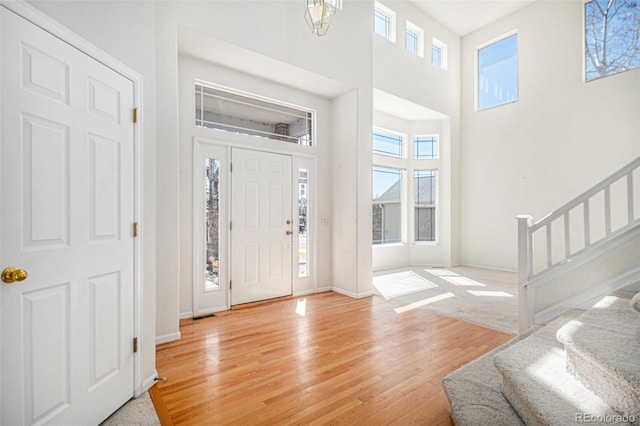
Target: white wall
{"x": 558, "y": 140}
{"x": 126, "y": 31}
{"x": 398, "y": 71}
{"x": 344, "y": 183}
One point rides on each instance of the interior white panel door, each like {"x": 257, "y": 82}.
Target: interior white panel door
{"x": 262, "y": 226}
{"x": 66, "y": 214}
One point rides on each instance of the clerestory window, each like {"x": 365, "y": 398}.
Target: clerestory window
{"x": 497, "y": 73}
{"x": 384, "y": 22}
{"x": 438, "y": 53}
{"x": 414, "y": 39}
{"x": 612, "y": 37}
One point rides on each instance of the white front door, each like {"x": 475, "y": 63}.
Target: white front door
{"x": 66, "y": 214}
{"x": 262, "y": 226}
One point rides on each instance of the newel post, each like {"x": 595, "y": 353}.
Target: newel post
{"x": 524, "y": 272}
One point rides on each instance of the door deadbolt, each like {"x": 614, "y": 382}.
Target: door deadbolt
{"x": 12, "y": 275}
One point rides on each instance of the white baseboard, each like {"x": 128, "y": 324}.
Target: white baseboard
{"x": 352, "y": 294}
{"x": 213, "y": 310}
{"x": 490, "y": 268}
{"x": 167, "y": 338}
{"x": 188, "y": 314}
{"x": 149, "y": 381}
{"x": 322, "y": 289}
{"x": 302, "y": 293}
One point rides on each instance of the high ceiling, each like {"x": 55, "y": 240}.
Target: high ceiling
{"x": 466, "y": 16}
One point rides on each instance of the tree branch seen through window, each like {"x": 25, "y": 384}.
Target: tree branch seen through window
{"x": 612, "y": 37}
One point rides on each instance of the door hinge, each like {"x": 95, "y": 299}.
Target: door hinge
{"x": 231, "y": 167}
{"x": 230, "y": 226}
{"x": 135, "y": 115}
{"x": 135, "y": 344}
{"x": 230, "y": 284}
{"x": 135, "y": 229}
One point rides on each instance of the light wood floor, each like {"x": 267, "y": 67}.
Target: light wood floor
{"x": 345, "y": 362}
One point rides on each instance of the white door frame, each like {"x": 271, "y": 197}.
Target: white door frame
{"x": 308, "y": 161}
{"x": 41, "y": 20}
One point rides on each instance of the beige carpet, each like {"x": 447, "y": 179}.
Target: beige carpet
{"x": 136, "y": 412}
{"x": 481, "y": 296}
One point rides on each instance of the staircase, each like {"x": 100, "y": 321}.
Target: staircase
{"x": 584, "y": 249}
{"x": 577, "y": 357}
{"x": 583, "y": 367}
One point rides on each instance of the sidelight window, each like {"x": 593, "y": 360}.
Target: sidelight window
{"x": 303, "y": 222}
{"x": 212, "y": 224}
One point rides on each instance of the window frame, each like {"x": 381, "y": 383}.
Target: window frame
{"x": 391, "y": 16}
{"x": 255, "y": 101}
{"x": 403, "y": 143}
{"x": 419, "y": 32}
{"x": 433, "y": 205}
{"x": 402, "y": 226}
{"x": 484, "y": 45}
{"x": 584, "y": 49}
{"x": 444, "y": 56}
{"x": 436, "y": 138}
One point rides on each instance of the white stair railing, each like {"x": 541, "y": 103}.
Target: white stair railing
{"x": 538, "y": 264}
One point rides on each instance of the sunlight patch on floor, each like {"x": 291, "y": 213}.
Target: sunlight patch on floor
{"x": 301, "y": 307}
{"x": 454, "y": 278}
{"x": 481, "y": 293}
{"x": 401, "y": 283}
{"x": 441, "y": 272}
{"x": 463, "y": 281}
{"x": 423, "y": 302}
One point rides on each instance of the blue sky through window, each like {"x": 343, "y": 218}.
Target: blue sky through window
{"x": 436, "y": 55}
{"x": 387, "y": 144}
{"x": 612, "y": 37}
{"x": 383, "y": 179}
{"x": 498, "y": 73}
{"x": 412, "y": 41}
{"x": 425, "y": 147}
{"x": 381, "y": 24}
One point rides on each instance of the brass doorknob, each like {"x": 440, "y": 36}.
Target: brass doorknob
{"x": 289, "y": 232}
{"x": 11, "y": 275}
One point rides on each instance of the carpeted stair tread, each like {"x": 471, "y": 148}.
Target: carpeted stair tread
{"x": 604, "y": 353}
{"x": 537, "y": 384}
{"x": 475, "y": 392}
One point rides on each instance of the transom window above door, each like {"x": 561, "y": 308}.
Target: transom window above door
{"x": 240, "y": 113}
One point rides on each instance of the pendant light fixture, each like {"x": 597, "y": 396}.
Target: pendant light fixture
{"x": 319, "y": 15}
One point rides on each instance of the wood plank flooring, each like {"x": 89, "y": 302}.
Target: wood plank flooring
{"x": 344, "y": 362}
